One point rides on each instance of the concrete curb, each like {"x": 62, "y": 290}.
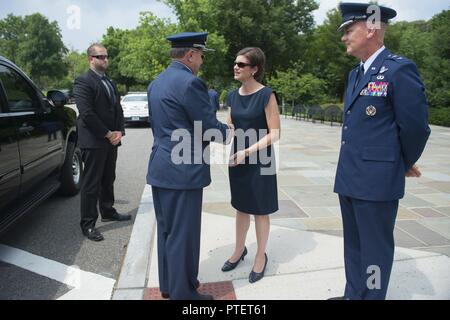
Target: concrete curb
{"x": 134, "y": 272}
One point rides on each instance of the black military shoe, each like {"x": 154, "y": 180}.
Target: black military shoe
{"x": 93, "y": 234}
{"x": 165, "y": 295}
{"x": 117, "y": 217}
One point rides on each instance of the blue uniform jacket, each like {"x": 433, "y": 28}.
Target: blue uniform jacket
{"x": 176, "y": 99}
{"x": 385, "y": 129}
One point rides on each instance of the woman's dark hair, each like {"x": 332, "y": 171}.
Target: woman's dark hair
{"x": 256, "y": 58}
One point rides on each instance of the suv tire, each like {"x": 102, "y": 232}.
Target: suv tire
{"x": 72, "y": 171}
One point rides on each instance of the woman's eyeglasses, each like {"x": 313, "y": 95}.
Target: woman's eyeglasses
{"x": 242, "y": 65}
{"x": 101, "y": 56}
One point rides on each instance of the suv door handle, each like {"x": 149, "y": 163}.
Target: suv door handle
{"x": 25, "y": 128}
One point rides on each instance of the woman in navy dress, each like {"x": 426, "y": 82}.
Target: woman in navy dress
{"x": 252, "y": 169}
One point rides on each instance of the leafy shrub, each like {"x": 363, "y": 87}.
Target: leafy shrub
{"x": 439, "y": 116}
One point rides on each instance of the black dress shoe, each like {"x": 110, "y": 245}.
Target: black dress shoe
{"x": 165, "y": 295}
{"x": 228, "y": 266}
{"x": 255, "y": 276}
{"x": 93, "y": 234}
{"x": 117, "y": 217}
{"x": 206, "y": 297}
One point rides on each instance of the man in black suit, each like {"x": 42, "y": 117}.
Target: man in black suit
{"x": 100, "y": 130}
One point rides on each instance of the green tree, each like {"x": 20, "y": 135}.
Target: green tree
{"x": 326, "y": 56}
{"x": 11, "y": 34}
{"x": 295, "y": 87}
{"x": 286, "y": 84}
{"x": 409, "y": 39}
{"x": 115, "y": 40}
{"x": 437, "y": 71}
{"x": 312, "y": 89}
{"x": 77, "y": 63}
{"x": 427, "y": 44}
{"x": 35, "y": 44}
{"x": 138, "y": 56}
{"x": 199, "y": 15}
{"x": 42, "y": 51}
{"x": 277, "y": 27}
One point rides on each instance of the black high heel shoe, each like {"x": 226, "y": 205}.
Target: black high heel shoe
{"x": 255, "y": 276}
{"x": 228, "y": 266}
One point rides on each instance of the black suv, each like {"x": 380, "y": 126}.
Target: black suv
{"x": 38, "y": 145}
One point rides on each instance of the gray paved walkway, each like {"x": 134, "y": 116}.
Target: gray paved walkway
{"x": 305, "y": 248}
{"x": 308, "y": 155}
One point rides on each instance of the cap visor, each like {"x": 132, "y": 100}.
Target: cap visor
{"x": 205, "y": 49}
{"x": 345, "y": 24}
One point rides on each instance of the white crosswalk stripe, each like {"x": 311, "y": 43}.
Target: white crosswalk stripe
{"x": 86, "y": 285}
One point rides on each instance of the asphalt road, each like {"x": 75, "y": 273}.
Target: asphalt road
{"x": 49, "y": 239}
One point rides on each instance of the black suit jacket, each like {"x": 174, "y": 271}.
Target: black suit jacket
{"x": 97, "y": 113}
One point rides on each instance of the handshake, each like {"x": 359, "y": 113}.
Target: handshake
{"x": 231, "y": 128}
{"x": 114, "y": 137}
{"x": 238, "y": 157}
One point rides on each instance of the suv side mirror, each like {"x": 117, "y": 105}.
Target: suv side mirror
{"x": 58, "y": 98}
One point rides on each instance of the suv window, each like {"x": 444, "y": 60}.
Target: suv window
{"x": 19, "y": 94}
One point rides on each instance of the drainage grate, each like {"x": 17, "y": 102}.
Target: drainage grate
{"x": 223, "y": 290}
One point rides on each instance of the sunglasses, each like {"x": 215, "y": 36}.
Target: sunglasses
{"x": 202, "y": 55}
{"x": 101, "y": 56}
{"x": 242, "y": 65}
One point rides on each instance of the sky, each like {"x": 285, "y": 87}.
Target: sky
{"x": 83, "y": 22}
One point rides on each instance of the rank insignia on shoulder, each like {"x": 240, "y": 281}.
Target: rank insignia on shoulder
{"x": 383, "y": 69}
{"x": 371, "y": 111}
{"x": 375, "y": 89}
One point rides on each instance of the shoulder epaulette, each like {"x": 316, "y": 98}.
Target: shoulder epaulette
{"x": 397, "y": 58}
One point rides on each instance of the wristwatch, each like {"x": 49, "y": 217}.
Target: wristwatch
{"x": 108, "y": 134}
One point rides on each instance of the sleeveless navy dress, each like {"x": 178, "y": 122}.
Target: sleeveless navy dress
{"x": 253, "y": 183}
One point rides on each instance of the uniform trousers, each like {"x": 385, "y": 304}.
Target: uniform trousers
{"x": 368, "y": 246}
{"x": 178, "y": 216}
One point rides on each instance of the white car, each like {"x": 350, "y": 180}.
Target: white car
{"x": 135, "y": 107}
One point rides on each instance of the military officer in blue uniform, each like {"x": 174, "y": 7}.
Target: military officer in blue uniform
{"x": 384, "y": 132}
{"x": 178, "y": 105}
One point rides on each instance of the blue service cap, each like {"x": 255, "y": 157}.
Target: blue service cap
{"x": 352, "y": 12}
{"x": 189, "y": 40}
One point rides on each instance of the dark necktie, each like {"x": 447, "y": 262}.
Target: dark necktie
{"x": 359, "y": 76}
{"x": 110, "y": 89}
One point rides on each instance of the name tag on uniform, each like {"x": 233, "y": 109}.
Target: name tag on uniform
{"x": 375, "y": 89}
